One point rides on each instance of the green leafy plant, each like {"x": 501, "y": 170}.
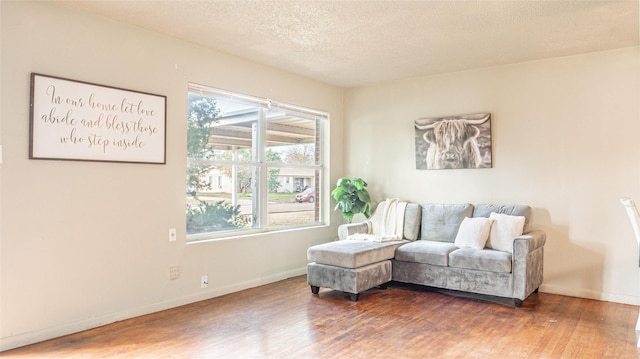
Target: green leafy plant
{"x": 352, "y": 197}
{"x": 211, "y": 217}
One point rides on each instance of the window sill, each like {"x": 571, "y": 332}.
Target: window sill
{"x": 212, "y": 237}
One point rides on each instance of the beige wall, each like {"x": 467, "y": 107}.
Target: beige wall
{"x": 565, "y": 141}
{"x": 83, "y": 244}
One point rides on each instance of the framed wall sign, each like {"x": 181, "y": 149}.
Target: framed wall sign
{"x": 74, "y": 120}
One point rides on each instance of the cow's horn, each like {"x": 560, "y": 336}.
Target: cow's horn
{"x": 479, "y": 121}
{"x": 425, "y": 123}
{"x": 424, "y": 127}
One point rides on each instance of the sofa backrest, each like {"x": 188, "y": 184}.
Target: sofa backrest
{"x": 484, "y": 210}
{"x": 440, "y": 222}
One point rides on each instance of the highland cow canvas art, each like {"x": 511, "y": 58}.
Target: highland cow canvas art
{"x": 453, "y": 142}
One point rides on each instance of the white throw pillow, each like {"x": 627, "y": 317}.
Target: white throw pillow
{"x": 473, "y": 232}
{"x": 504, "y": 231}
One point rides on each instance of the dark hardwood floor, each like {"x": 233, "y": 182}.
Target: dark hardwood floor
{"x": 284, "y": 320}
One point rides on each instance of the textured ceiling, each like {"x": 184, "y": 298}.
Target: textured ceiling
{"x": 354, "y": 43}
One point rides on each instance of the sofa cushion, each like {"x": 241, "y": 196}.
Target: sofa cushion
{"x": 481, "y": 259}
{"x": 473, "y": 232}
{"x": 352, "y": 253}
{"x": 504, "y": 231}
{"x": 485, "y": 210}
{"x": 428, "y": 252}
{"x": 440, "y": 222}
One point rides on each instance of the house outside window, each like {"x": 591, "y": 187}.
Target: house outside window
{"x": 252, "y": 146}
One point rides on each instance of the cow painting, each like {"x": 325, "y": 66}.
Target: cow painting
{"x": 454, "y": 142}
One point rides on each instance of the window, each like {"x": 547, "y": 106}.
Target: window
{"x": 252, "y": 147}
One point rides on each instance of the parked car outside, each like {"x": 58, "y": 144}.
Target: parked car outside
{"x": 308, "y": 195}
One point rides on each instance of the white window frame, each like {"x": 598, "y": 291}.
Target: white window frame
{"x": 260, "y": 203}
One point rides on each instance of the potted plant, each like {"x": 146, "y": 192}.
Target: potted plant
{"x": 352, "y": 197}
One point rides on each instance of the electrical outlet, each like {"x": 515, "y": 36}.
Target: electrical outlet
{"x": 174, "y": 272}
{"x": 172, "y": 234}
{"x": 204, "y": 281}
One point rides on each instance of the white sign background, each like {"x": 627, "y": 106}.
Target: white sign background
{"x": 73, "y": 120}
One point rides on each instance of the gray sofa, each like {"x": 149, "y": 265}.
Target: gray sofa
{"x": 428, "y": 256}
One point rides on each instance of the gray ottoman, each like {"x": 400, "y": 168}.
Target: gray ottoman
{"x": 350, "y": 266}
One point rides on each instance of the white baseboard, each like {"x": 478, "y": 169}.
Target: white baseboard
{"x": 590, "y": 294}
{"x": 22, "y": 339}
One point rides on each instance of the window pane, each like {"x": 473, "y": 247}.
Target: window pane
{"x": 291, "y": 139}
{"x": 292, "y": 197}
{"x": 234, "y": 132}
{"x": 246, "y": 194}
{"x": 227, "y": 204}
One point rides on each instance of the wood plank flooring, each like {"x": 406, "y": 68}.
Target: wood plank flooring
{"x": 284, "y": 320}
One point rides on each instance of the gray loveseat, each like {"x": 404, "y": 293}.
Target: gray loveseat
{"x": 428, "y": 255}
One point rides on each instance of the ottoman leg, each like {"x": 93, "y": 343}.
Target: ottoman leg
{"x": 353, "y": 297}
{"x": 383, "y": 285}
{"x": 315, "y": 289}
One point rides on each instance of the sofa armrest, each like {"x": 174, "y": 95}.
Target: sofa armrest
{"x": 528, "y": 263}
{"x": 529, "y": 241}
{"x": 345, "y": 230}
